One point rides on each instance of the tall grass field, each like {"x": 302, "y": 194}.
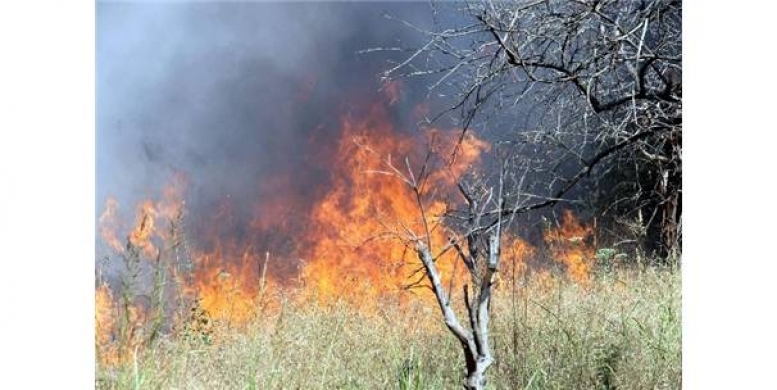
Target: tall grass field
{"x": 622, "y": 330}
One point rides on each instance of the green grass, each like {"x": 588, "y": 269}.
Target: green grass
{"x": 623, "y": 331}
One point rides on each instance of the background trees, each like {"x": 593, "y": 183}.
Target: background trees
{"x": 586, "y": 95}
{"x": 583, "y": 99}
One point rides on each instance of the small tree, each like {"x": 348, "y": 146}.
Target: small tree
{"x": 474, "y": 227}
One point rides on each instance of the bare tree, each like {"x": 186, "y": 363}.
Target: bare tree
{"x": 473, "y": 223}
{"x": 588, "y": 90}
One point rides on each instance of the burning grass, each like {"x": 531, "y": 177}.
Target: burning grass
{"x": 619, "y": 330}
{"x": 186, "y": 318}
{"x": 208, "y": 314}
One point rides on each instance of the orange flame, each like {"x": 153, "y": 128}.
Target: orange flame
{"x": 515, "y": 252}
{"x": 352, "y": 248}
{"x": 353, "y": 239}
{"x": 356, "y": 228}
{"x": 141, "y": 235}
{"x": 105, "y": 325}
{"x": 119, "y": 328}
{"x": 148, "y": 217}
{"x": 109, "y": 224}
{"x": 117, "y": 336}
{"x": 568, "y": 244}
{"x": 352, "y": 243}
{"x": 226, "y": 281}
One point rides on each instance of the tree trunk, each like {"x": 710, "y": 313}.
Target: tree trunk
{"x": 669, "y": 228}
{"x": 669, "y": 185}
{"x": 474, "y": 342}
{"x": 476, "y": 377}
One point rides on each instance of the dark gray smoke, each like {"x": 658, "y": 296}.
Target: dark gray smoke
{"x": 233, "y": 94}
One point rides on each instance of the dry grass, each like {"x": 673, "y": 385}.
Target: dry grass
{"x": 621, "y": 331}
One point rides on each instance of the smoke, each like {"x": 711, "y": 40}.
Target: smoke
{"x": 234, "y": 96}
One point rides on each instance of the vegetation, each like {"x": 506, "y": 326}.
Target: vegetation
{"x": 586, "y": 95}
{"x": 574, "y": 91}
{"x": 620, "y": 330}
{"x": 606, "y": 79}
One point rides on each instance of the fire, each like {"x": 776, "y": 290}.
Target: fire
{"x": 351, "y": 241}
{"x": 229, "y": 276}
{"x": 105, "y": 324}
{"x": 147, "y": 233}
{"x": 173, "y": 197}
{"x": 121, "y": 319}
{"x": 358, "y": 227}
{"x": 227, "y": 283}
{"x": 515, "y": 253}
{"x": 568, "y": 244}
{"x": 119, "y": 328}
{"x": 141, "y": 235}
{"x": 109, "y": 224}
